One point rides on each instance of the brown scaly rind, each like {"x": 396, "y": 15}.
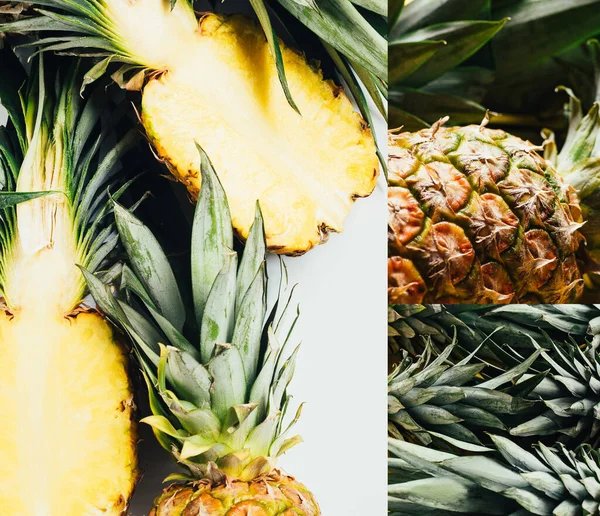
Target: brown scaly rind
{"x": 269, "y": 495}
{"x": 478, "y": 216}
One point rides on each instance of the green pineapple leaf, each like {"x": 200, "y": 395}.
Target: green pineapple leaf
{"x": 462, "y": 38}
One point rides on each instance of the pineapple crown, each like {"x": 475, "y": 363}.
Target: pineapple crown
{"x": 56, "y": 145}
{"x": 435, "y": 400}
{"x": 517, "y": 482}
{"x": 217, "y": 380}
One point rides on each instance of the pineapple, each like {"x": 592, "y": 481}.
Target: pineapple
{"x": 301, "y": 149}
{"x": 217, "y": 380}
{"x": 550, "y": 481}
{"x": 66, "y": 401}
{"x": 477, "y": 216}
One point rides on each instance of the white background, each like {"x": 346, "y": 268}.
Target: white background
{"x": 340, "y": 374}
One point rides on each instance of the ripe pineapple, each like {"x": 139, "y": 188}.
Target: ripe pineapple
{"x": 301, "y": 149}
{"x": 217, "y": 383}
{"x": 548, "y": 482}
{"x": 477, "y": 216}
{"x": 66, "y": 402}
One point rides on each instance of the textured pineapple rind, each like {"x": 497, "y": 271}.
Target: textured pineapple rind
{"x": 313, "y": 220}
{"x": 272, "y": 495}
{"x": 477, "y": 216}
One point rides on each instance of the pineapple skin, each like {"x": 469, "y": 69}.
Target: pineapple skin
{"x": 224, "y": 94}
{"x": 273, "y": 495}
{"x": 73, "y": 371}
{"x": 477, "y": 216}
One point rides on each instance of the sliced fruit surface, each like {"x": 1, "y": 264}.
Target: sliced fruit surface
{"x": 66, "y": 410}
{"x": 305, "y": 168}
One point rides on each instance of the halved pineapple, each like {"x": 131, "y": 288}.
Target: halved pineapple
{"x": 305, "y": 169}
{"x": 67, "y": 438}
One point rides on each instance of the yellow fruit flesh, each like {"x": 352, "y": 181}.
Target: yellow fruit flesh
{"x": 65, "y": 404}
{"x": 222, "y": 91}
{"x": 66, "y": 434}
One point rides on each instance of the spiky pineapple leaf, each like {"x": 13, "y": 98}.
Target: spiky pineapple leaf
{"x": 253, "y": 258}
{"x": 343, "y": 27}
{"x": 8, "y": 199}
{"x": 151, "y": 265}
{"x": 405, "y": 58}
{"x": 422, "y": 13}
{"x": 249, "y": 324}
{"x": 463, "y": 39}
{"x": 212, "y": 235}
{"x": 218, "y": 317}
{"x": 260, "y": 9}
{"x": 539, "y": 30}
{"x": 229, "y": 381}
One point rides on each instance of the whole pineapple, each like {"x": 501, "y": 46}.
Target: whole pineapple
{"x": 67, "y": 440}
{"x": 277, "y": 131}
{"x": 478, "y": 216}
{"x": 217, "y": 383}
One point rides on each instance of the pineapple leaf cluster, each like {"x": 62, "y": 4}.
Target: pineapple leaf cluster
{"x": 218, "y": 377}
{"x": 435, "y": 400}
{"x": 59, "y": 144}
{"x": 539, "y": 460}
{"x": 545, "y": 481}
{"x": 458, "y": 57}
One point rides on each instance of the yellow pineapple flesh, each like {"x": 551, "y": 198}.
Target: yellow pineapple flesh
{"x": 66, "y": 409}
{"x": 223, "y": 93}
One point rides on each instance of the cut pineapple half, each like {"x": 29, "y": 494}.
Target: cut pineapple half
{"x": 214, "y": 82}
{"x": 66, "y": 403}
{"x": 306, "y": 170}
